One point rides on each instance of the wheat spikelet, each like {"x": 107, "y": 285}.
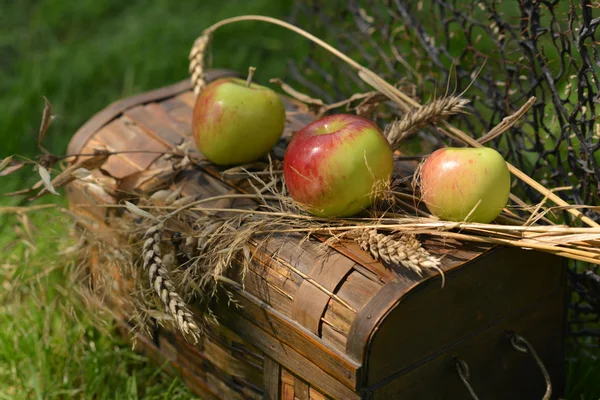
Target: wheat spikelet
{"x": 197, "y": 55}
{"x": 163, "y": 286}
{"x": 404, "y": 249}
{"x": 423, "y": 116}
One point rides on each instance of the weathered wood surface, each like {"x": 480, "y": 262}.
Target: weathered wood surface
{"x": 485, "y": 293}
{"x": 337, "y": 319}
{"x": 497, "y": 370}
{"x": 152, "y": 127}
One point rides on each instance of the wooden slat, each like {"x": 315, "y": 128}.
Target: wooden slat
{"x": 221, "y": 358}
{"x": 338, "y": 321}
{"x": 497, "y": 371}
{"x": 333, "y": 337}
{"x": 188, "y": 98}
{"x": 115, "y": 165}
{"x": 353, "y": 251}
{"x": 115, "y": 109}
{"x": 156, "y": 123}
{"x": 272, "y": 379}
{"x": 357, "y": 290}
{"x": 310, "y": 301}
{"x": 288, "y": 357}
{"x": 222, "y": 389}
{"x": 314, "y": 394}
{"x": 289, "y": 333}
{"x": 183, "y": 128}
{"x": 198, "y": 386}
{"x": 182, "y": 115}
{"x": 269, "y": 293}
{"x": 287, "y": 385}
{"x": 171, "y": 104}
{"x": 486, "y": 290}
{"x": 301, "y": 389}
{"x": 237, "y": 346}
{"x": 121, "y": 135}
{"x": 217, "y": 365}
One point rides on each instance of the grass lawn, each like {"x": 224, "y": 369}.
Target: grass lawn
{"x": 82, "y": 56}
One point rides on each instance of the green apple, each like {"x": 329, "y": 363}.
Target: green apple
{"x": 333, "y": 166}
{"x": 457, "y": 183}
{"x": 237, "y": 122}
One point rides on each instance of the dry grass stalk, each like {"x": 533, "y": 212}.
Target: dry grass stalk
{"x": 398, "y": 248}
{"x": 163, "y": 286}
{"x": 421, "y": 117}
{"x": 404, "y": 102}
{"x": 507, "y": 122}
{"x": 197, "y": 61}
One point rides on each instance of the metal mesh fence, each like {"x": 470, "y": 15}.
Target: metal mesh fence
{"x": 501, "y": 53}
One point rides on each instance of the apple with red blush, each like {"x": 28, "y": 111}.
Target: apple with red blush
{"x": 236, "y": 121}
{"x": 465, "y": 184}
{"x": 334, "y": 166}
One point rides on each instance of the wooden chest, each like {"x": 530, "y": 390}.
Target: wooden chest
{"x": 342, "y": 326}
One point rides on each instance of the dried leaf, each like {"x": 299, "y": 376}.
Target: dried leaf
{"x": 5, "y": 162}
{"x": 174, "y": 195}
{"x": 160, "y": 195}
{"x": 46, "y": 119}
{"x": 46, "y": 180}
{"x": 296, "y": 94}
{"x": 66, "y": 176}
{"x": 81, "y": 173}
{"x": 7, "y": 166}
{"x": 183, "y": 201}
{"x": 138, "y": 211}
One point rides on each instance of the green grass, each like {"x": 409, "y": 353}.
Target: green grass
{"x": 82, "y": 56}
{"x": 50, "y": 348}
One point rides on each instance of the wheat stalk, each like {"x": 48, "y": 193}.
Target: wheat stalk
{"x": 404, "y": 102}
{"x": 197, "y": 55}
{"x": 423, "y": 116}
{"x": 163, "y": 285}
{"x": 398, "y": 248}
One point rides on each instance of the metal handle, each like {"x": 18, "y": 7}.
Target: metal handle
{"x": 518, "y": 343}
{"x": 463, "y": 373}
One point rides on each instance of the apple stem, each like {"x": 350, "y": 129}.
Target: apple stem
{"x": 250, "y": 75}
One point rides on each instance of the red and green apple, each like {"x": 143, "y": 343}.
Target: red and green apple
{"x": 465, "y": 184}
{"x": 335, "y": 165}
{"x": 237, "y": 122}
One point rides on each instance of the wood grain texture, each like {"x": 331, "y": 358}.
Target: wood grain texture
{"x": 117, "y": 108}
{"x": 287, "y": 356}
{"x": 198, "y": 386}
{"x": 301, "y": 389}
{"x": 482, "y": 292}
{"x": 289, "y": 333}
{"x": 310, "y": 301}
{"x": 322, "y": 322}
{"x": 272, "y": 379}
{"x": 497, "y": 370}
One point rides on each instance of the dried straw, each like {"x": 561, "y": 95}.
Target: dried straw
{"x": 405, "y": 103}
{"x": 398, "y": 248}
{"x": 197, "y": 61}
{"x": 421, "y": 117}
{"x": 163, "y": 286}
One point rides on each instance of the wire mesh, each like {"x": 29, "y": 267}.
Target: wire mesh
{"x": 500, "y": 53}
